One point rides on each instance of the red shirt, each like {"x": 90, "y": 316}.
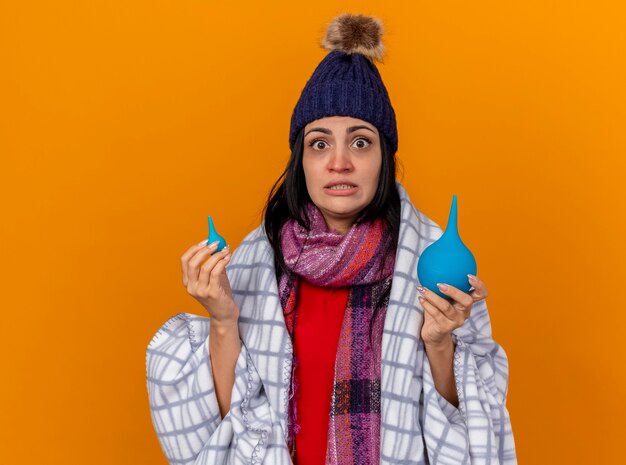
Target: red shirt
{"x": 320, "y": 314}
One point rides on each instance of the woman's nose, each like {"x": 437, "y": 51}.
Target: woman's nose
{"x": 340, "y": 159}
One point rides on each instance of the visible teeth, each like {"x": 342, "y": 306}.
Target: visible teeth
{"x": 341, "y": 186}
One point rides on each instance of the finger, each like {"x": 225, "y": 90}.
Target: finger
{"x": 440, "y": 319}
{"x": 461, "y": 304}
{"x": 216, "y": 275}
{"x": 457, "y": 294}
{"x": 444, "y": 320}
{"x": 193, "y": 265}
{"x": 480, "y": 288}
{"x": 208, "y": 269}
{"x": 435, "y": 299}
{"x": 184, "y": 259}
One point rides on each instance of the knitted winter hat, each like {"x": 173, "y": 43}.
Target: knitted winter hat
{"x": 347, "y": 82}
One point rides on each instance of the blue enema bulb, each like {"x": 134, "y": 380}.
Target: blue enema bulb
{"x": 447, "y": 260}
{"x": 214, "y": 236}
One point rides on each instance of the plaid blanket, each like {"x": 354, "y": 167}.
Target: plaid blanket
{"x": 418, "y": 425}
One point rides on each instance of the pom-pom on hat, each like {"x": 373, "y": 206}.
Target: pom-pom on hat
{"x": 347, "y": 82}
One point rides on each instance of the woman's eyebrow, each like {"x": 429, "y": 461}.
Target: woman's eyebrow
{"x": 348, "y": 130}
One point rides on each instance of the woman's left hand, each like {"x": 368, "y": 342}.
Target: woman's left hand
{"x": 441, "y": 316}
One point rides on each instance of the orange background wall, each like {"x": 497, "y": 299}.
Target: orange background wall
{"x": 123, "y": 124}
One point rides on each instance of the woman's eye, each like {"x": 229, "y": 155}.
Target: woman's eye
{"x": 369, "y": 142}
{"x": 315, "y": 143}
{"x": 319, "y": 144}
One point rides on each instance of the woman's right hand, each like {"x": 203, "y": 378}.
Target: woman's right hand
{"x": 207, "y": 282}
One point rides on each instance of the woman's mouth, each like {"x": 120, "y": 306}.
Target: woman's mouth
{"x": 341, "y": 190}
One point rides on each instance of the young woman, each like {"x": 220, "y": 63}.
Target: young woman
{"x": 321, "y": 347}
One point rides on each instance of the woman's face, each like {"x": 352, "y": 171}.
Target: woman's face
{"x": 341, "y": 148}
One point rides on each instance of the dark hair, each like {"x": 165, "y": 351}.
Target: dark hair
{"x": 287, "y": 200}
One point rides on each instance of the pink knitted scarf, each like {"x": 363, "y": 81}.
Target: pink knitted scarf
{"x": 363, "y": 259}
